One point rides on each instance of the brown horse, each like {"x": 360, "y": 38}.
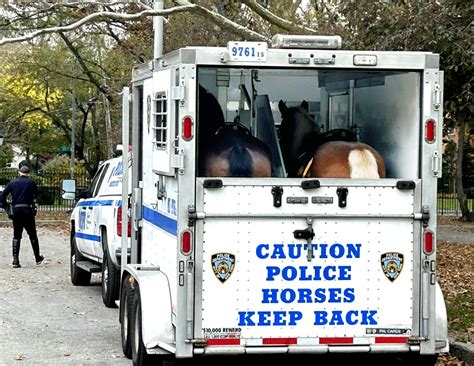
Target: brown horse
{"x": 234, "y": 152}
{"x": 326, "y": 156}
{"x": 228, "y": 149}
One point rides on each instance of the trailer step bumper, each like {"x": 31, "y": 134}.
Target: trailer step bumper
{"x": 89, "y": 266}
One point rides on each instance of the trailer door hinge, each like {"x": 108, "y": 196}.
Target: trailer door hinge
{"x": 437, "y": 97}
{"x": 436, "y": 164}
{"x": 178, "y": 92}
{"x": 177, "y": 161}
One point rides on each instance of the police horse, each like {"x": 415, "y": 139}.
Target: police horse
{"x": 228, "y": 149}
{"x": 334, "y": 154}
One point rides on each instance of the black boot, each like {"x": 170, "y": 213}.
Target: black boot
{"x": 35, "y": 245}
{"x": 16, "y": 253}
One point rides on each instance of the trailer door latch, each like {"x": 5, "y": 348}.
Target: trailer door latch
{"x": 277, "y": 192}
{"x": 425, "y": 215}
{"x": 342, "y": 193}
{"x": 308, "y": 235}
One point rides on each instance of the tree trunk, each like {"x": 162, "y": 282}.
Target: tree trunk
{"x": 466, "y": 214}
{"x": 108, "y": 128}
{"x": 95, "y": 141}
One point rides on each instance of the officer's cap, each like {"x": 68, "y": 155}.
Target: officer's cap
{"x": 24, "y": 169}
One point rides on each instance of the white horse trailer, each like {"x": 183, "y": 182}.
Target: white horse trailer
{"x": 224, "y": 266}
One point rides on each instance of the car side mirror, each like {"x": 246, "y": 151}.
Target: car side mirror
{"x": 68, "y": 189}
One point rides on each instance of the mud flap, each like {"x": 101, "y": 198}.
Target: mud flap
{"x": 155, "y": 297}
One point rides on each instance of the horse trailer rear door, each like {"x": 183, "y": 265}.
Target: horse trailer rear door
{"x": 259, "y": 283}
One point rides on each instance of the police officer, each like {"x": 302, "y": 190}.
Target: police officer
{"x": 23, "y": 191}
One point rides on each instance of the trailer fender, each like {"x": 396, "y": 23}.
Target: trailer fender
{"x": 155, "y": 298}
{"x": 442, "y": 340}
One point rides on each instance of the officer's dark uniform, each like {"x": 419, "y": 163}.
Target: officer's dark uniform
{"x": 23, "y": 191}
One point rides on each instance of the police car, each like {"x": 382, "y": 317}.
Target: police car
{"x": 95, "y": 229}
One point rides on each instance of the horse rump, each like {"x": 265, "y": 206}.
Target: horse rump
{"x": 342, "y": 159}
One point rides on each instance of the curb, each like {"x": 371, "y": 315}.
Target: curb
{"x": 463, "y": 351}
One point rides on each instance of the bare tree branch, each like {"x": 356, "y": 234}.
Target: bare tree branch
{"x": 276, "y": 20}
{"x": 97, "y": 17}
{"x": 85, "y": 69}
{"x": 223, "y": 22}
{"x": 107, "y": 15}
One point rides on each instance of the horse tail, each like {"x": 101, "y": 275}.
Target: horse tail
{"x": 363, "y": 164}
{"x": 240, "y": 162}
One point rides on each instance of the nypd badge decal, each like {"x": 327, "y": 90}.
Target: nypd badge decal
{"x": 223, "y": 265}
{"x": 392, "y": 264}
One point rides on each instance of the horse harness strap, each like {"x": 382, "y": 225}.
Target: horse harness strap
{"x": 304, "y": 172}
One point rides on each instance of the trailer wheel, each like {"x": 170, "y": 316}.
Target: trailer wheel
{"x": 126, "y": 307}
{"x": 139, "y": 355}
{"x": 422, "y": 360}
{"x": 79, "y": 277}
{"x": 110, "y": 276}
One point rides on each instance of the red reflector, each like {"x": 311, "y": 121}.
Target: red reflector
{"x": 336, "y": 340}
{"x": 186, "y": 244}
{"x": 430, "y": 130}
{"x": 119, "y": 223}
{"x": 187, "y": 128}
{"x": 428, "y": 243}
{"x": 223, "y": 342}
{"x": 279, "y": 341}
{"x": 391, "y": 340}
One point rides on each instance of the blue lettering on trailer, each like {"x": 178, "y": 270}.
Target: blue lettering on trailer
{"x": 325, "y": 274}
{"x": 294, "y": 251}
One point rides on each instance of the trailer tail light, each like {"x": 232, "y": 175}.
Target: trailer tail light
{"x": 187, "y": 128}
{"x": 119, "y": 223}
{"x": 428, "y": 242}
{"x": 186, "y": 242}
{"x": 430, "y": 131}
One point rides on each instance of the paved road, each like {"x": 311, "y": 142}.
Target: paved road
{"x": 45, "y": 320}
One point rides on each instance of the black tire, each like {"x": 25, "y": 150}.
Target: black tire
{"x": 126, "y": 308}
{"x": 422, "y": 360}
{"x": 79, "y": 277}
{"x": 139, "y": 355}
{"x": 110, "y": 276}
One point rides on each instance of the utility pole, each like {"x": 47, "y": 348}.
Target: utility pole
{"x": 73, "y": 120}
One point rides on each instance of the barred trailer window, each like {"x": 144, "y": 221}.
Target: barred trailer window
{"x": 160, "y": 122}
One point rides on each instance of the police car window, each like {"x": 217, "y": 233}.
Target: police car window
{"x": 98, "y": 178}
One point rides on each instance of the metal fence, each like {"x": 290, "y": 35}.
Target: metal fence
{"x": 448, "y": 204}
{"x": 49, "y": 186}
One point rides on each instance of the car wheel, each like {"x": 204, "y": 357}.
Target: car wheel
{"x": 79, "y": 277}
{"x": 110, "y": 277}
